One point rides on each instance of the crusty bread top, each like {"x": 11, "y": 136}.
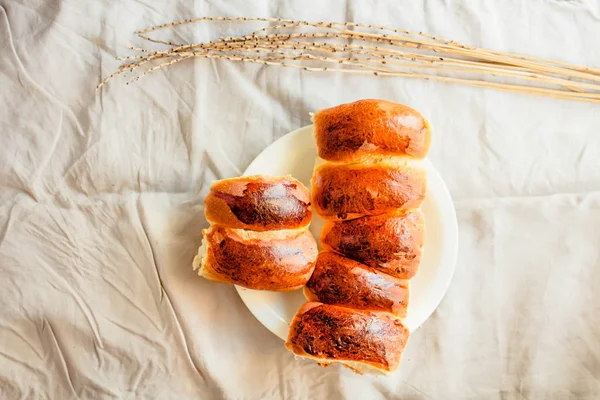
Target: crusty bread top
{"x": 340, "y": 281}
{"x": 333, "y": 333}
{"x": 346, "y": 191}
{"x": 259, "y": 203}
{"x": 349, "y": 132}
{"x": 274, "y": 260}
{"x": 392, "y": 243}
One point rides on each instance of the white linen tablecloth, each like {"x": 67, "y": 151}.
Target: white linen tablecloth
{"x": 101, "y": 207}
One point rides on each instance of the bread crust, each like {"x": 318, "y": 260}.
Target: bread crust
{"x": 391, "y": 243}
{"x": 350, "y": 132}
{"x": 259, "y": 203}
{"x": 347, "y": 191}
{"x": 362, "y": 340}
{"x": 274, "y": 260}
{"x": 340, "y": 281}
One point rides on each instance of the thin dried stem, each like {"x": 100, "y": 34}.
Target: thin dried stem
{"x": 282, "y": 62}
{"x": 357, "y": 48}
{"x": 447, "y": 64}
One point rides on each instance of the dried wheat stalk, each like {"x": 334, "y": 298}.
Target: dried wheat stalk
{"x": 355, "y": 48}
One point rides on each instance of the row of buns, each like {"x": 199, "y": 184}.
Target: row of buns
{"x": 368, "y": 185}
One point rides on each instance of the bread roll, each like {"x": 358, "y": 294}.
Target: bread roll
{"x": 354, "y": 131}
{"x": 259, "y": 203}
{"x": 347, "y": 191}
{"x": 364, "y": 341}
{"x": 340, "y": 281}
{"x": 392, "y": 243}
{"x": 273, "y": 260}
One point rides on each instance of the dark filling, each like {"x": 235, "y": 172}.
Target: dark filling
{"x": 374, "y": 240}
{"x": 336, "y": 284}
{"x": 343, "y": 335}
{"x": 343, "y": 136}
{"x": 267, "y": 204}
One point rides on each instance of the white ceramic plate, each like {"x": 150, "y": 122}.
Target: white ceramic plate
{"x": 295, "y": 154}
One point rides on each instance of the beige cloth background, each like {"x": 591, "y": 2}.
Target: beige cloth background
{"x": 101, "y": 208}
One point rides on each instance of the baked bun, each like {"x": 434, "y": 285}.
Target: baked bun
{"x": 359, "y": 130}
{"x": 259, "y": 203}
{"x": 392, "y": 243}
{"x": 274, "y": 260}
{"x": 340, "y": 281}
{"x": 347, "y": 191}
{"x": 364, "y": 341}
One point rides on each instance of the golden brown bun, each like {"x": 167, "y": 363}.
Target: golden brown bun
{"x": 349, "y": 191}
{"x": 274, "y": 260}
{"x": 392, "y": 243}
{"x": 349, "y": 132}
{"x": 364, "y": 341}
{"x": 259, "y": 203}
{"x": 340, "y": 281}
